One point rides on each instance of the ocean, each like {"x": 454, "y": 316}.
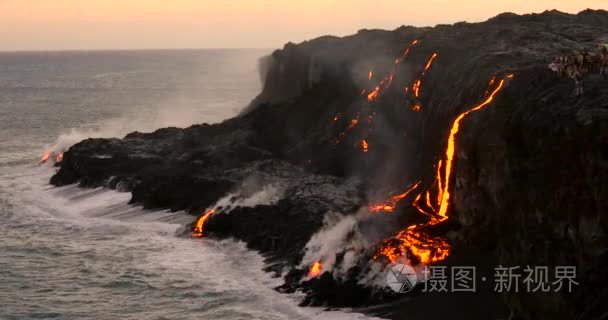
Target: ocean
{"x": 72, "y": 253}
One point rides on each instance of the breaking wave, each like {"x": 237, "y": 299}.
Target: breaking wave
{"x": 75, "y": 252}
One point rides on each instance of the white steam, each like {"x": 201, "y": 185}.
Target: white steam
{"x": 340, "y": 246}
{"x": 340, "y": 234}
{"x": 266, "y": 195}
{"x": 179, "y": 115}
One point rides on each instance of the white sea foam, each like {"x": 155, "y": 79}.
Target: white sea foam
{"x": 122, "y": 245}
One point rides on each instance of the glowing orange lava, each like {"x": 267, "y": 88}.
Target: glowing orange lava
{"x": 414, "y": 240}
{"x": 374, "y": 94}
{"x": 353, "y": 122}
{"x": 45, "y": 157}
{"x": 428, "y": 64}
{"x": 451, "y": 148}
{"x": 315, "y": 270}
{"x": 418, "y": 83}
{"x": 416, "y": 88}
{"x": 406, "y": 52}
{"x": 364, "y": 146}
{"x": 59, "y": 157}
{"x": 425, "y": 248}
{"x": 416, "y": 205}
{"x": 200, "y": 222}
{"x": 391, "y": 204}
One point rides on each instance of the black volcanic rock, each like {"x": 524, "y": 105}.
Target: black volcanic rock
{"x": 530, "y": 175}
{"x": 283, "y": 228}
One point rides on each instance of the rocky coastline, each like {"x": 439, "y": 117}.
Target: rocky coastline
{"x": 530, "y": 171}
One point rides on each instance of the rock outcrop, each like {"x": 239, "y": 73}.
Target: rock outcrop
{"x": 531, "y": 171}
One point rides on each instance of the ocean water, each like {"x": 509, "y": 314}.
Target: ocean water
{"x": 71, "y": 253}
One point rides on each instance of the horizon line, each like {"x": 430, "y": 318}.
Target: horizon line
{"x": 130, "y": 49}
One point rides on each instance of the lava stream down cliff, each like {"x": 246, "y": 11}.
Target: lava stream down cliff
{"x": 413, "y": 242}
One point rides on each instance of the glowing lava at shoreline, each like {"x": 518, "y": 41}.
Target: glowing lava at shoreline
{"x": 414, "y": 240}
{"x": 200, "y": 222}
{"x": 315, "y": 269}
{"x": 45, "y": 157}
{"x": 59, "y": 157}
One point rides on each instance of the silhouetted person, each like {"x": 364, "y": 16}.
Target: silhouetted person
{"x": 604, "y": 61}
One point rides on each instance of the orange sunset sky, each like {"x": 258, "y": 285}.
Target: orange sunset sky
{"x": 134, "y": 24}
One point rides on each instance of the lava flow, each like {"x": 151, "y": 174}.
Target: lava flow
{"x": 315, "y": 270}
{"x": 353, "y": 122}
{"x": 416, "y": 88}
{"x": 418, "y": 83}
{"x": 373, "y": 94}
{"x": 45, "y": 157}
{"x": 406, "y": 52}
{"x": 426, "y": 249}
{"x": 391, "y": 204}
{"x": 380, "y": 88}
{"x": 198, "y": 227}
{"x": 444, "y": 197}
{"x": 57, "y": 158}
{"x": 415, "y": 240}
{"x": 364, "y": 146}
{"x": 429, "y": 63}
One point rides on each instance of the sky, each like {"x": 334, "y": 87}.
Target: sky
{"x": 155, "y": 24}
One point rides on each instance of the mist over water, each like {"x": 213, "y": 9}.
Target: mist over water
{"x": 74, "y": 95}
{"x": 70, "y": 253}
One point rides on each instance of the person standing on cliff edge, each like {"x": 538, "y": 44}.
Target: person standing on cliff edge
{"x": 604, "y": 60}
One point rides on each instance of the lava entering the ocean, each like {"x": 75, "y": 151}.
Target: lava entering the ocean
{"x": 200, "y": 222}
{"x": 59, "y": 157}
{"x": 45, "y": 157}
{"x": 315, "y": 270}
